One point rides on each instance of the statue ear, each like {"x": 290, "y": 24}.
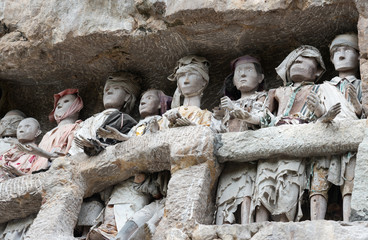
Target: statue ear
{"x": 319, "y": 72}
{"x": 38, "y": 133}
{"x": 127, "y": 97}
{"x": 261, "y": 77}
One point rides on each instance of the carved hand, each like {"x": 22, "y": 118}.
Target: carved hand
{"x": 241, "y": 114}
{"x": 26, "y": 148}
{"x": 153, "y": 126}
{"x": 352, "y": 93}
{"x": 172, "y": 115}
{"x": 226, "y": 103}
{"x": 218, "y": 113}
{"x": 314, "y": 104}
{"x": 82, "y": 142}
{"x": 12, "y": 170}
{"x": 331, "y": 113}
{"x": 183, "y": 121}
{"x": 112, "y": 133}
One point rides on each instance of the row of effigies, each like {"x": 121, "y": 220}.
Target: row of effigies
{"x": 263, "y": 190}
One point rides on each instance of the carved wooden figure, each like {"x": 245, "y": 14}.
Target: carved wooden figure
{"x": 191, "y": 75}
{"x": 153, "y": 104}
{"x": 107, "y": 128}
{"x": 244, "y": 112}
{"x": 346, "y": 90}
{"x": 280, "y": 182}
{"x": 58, "y": 141}
{"x": 8, "y": 129}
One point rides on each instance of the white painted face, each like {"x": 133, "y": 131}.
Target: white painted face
{"x": 246, "y": 78}
{"x": 304, "y": 69}
{"x": 63, "y": 105}
{"x": 114, "y": 96}
{"x": 345, "y": 58}
{"x": 149, "y": 104}
{"x": 28, "y": 129}
{"x": 190, "y": 82}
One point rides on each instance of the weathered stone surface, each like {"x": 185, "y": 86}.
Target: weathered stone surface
{"x": 190, "y": 200}
{"x": 359, "y": 202}
{"x": 279, "y": 231}
{"x": 363, "y": 47}
{"x": 293, "y": 140}
{"x": 52, "y": 45}
{"x": 62, "y": 188}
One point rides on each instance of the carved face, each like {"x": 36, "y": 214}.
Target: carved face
{"x": 28, "y": 129}
{"x": 190, "y": 83}
{"x": 304, "y": 69}
{"x": 246, "y": 77}
{"x": 150, "y": 104}
{"x": 345, "y": 58}
{"x": 63, "y": 105}
{"x": 9, "y": 124}
{"x": 114, "y": 96}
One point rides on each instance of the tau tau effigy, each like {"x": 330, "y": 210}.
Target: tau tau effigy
{"x": 107, "y": 128}
{"x": 15, "y": 162}
{"x": 8, "y": 129}
{"x": 191, "y": 75}
{"x": 245, "y": 112}
{"x": 281, "y": 182}
{"x": 346, "y": 90}
{"x": 58, "y": 141}
{"x": 153, "y": 104}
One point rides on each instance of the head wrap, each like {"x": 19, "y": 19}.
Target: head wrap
{"x": 75, "y": 107}
{"x": 9, "y": 123}
{"x": 349, "y": 39}
{"x": 130, "y": 83}
{"x": 283, "y": 70}
{"x": 229, "y": 89}
{"x": 165, "y": 101}
{"x": 188, "y": 64}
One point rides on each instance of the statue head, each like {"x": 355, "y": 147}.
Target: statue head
{"x": 344, "y": 52}
{"x": 10, "y": 122}
{"x": 191, "y": 75}
{"x": 246, "y": 76}
{"x": 67, "y": 104}
{"x": 304, "y": 64}
{"x": 121, "y": 91}
{"x": 154, "y": 102}
{"x": 28, "y": 129}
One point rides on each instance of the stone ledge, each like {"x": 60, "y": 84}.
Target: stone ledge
{"x": 305, "y": 140}
{"x": 321, "y": 229}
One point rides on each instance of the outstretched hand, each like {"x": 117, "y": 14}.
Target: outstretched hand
{"x": 26, "y": 148}
{"x": 331, "y": 113}
{"x": 12, "y": 170}
{"x": 82, "y": 142}
{"x": 112, "y": 133}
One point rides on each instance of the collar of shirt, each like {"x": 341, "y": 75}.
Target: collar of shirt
{"x": 336, "y": 80}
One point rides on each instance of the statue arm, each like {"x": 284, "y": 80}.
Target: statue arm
{"x": 34, "y": 150}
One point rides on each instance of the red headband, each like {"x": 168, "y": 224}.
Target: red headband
{"x": 75, "y": 107}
